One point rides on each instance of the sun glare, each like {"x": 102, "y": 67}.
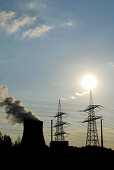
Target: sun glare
{"x": 88, "y": 82}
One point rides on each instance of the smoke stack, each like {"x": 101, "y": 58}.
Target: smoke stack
{"x": 33, "y": 135}
{"x": 33, "y": 138}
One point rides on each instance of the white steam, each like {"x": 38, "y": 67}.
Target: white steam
{"x": 15, "y": 110}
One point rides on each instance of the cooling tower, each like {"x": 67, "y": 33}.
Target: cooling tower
{"x": 33, "y": 138}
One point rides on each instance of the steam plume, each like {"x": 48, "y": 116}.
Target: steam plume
{"x": 16, "y": 111}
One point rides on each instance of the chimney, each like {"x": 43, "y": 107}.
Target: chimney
{"x": 33, "y": 138}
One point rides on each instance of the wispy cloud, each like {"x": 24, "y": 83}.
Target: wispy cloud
{"x": 68, "y": 24}
{"x": 37, "y": 32}
{"x": 111, "y": 64}
{"x": 34, "y": 5}
{"x": 81, "y": 94}
{"x": 20, "y": 22}
{"x": 12, "y": 25}
{"x": 31, "y": 5}
{"x": 5, "y": 17}
{"x": 72, "y": 97}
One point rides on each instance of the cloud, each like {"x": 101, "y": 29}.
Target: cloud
{"x": 3, "y": 90}
{"x": 72, "y": 97}
{"x": 5, "y": 17}
{"x": 33, "y": 5}
{"x": 12, "y": 26}
{"x": 68, "y": 24}
{"x": 37, "y": 32}
{"x": 20, "y": 22}
{"x": 111, "y": 65}
{"x": 81, "y": 94}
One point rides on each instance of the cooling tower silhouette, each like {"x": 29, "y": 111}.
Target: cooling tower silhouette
{"x": 33, "y": 138}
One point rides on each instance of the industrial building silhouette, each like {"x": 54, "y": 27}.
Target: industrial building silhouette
{"x": 33, "y": 137}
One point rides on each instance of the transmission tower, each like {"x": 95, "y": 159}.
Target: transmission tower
{"x": 101, "y": 133}
{"x": 59, "y": 134}
{"x": 92, "y": 134}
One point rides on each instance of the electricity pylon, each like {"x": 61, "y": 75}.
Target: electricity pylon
{"x": 92, "y": 134}
{"x": 59, "y": 134}
{"x": 101, "y": 133}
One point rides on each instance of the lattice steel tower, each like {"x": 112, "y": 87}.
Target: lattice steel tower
{"x": 59, "y": 134}
{"x": 92, "y": 134}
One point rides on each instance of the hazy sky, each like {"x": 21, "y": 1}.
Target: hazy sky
{"x": 47, "y": 46}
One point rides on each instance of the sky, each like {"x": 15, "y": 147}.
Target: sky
{"x": 46, "y": 47}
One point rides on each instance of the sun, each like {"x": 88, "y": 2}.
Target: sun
{"x": 88, "y": 82}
